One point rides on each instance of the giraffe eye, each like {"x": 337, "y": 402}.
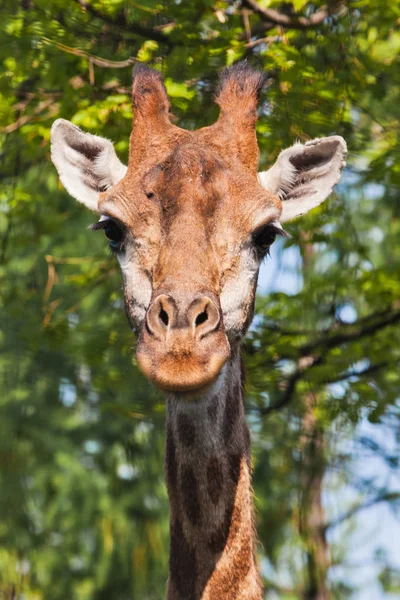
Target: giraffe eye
{"x": 113, "y": 231}
{"x": 264, "y": 237}
{"x": 114, "y": 234}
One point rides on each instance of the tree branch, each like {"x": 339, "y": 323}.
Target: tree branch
{"x": 353, "y": 332}
{"x": 387, "y": 497}
{"x": 309, "y": 359}
{"x": 305, "y": 363}
{"x": 293, "y": 21}
{"x": 349, "y": 374}
{"x": 120, "y": 23}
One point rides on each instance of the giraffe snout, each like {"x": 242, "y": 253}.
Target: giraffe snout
{"x": 200, "y": 317}
{"x": 183, "y": 344}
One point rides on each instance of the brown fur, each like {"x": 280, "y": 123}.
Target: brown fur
{"x": 190, "y": 199}
{"x": 210, "y": 496}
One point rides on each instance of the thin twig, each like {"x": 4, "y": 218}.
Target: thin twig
{"x": 246, "y": 23}
{"x": 23, "y": 120}
{"x": 95, "y": 60}
{"x": 264, "y": 40}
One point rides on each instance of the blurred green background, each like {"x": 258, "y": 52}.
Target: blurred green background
{"x": 83, "y": 506}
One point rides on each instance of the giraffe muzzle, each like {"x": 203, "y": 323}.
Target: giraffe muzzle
{"x": 182, "y": 345}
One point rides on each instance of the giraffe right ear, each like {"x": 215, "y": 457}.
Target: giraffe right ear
{"x": 304, "y": 175}
{"x": 87, "y": 164}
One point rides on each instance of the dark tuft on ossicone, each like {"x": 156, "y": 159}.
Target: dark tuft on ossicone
{"x": 241, "y": 79}
{"x": 148, "y": 83}
{"x": 142, "y": 70}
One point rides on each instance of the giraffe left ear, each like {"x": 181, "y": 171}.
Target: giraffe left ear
{"x": 87, "y": 164}
{"x": 304, "y": 175}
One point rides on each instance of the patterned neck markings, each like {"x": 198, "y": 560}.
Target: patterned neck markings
{"x": 207, "y": 467}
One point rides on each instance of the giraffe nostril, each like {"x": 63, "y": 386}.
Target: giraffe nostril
{"x": 201, "y": 318}
{"x": 163, "y": 315}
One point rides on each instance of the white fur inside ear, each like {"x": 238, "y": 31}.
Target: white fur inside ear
{"x": 279, "y": 179}
{"x": 87, "y": 164}
{"x": 71, "y": 173}
{"x": 108, "y": 167}
{"x": 304, "y": 175}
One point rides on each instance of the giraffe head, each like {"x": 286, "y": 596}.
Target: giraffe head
{"x": 190, "y": 219}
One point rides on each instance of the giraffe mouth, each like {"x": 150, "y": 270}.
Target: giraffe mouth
{"x": 182, "y": 374}
{"x": 182, "y": 346}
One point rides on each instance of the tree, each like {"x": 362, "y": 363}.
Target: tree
{"x": 83, "y": 509}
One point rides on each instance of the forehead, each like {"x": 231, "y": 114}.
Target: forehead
{"x": 194, "y": 178}
{"x": 191, "y": 177}
{"x": 191, "y": 180}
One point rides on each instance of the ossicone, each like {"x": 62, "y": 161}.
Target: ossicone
{"x": 149, "y": 96}
{"x": 237, "y": 96}
{"x": 239, "y": 85}
{"x": 151, "y": 119}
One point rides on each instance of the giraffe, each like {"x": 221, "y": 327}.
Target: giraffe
{"x": 190, "y": 220}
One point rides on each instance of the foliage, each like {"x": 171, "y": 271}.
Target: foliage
{"x": 83, "y": 508}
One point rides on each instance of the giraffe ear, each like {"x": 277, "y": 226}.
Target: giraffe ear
{"x": 87, "y": 164}
{"x": 304, "y": 175}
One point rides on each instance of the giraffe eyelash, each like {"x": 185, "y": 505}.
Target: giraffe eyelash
{"x": 114, "y": 232}
{"x": 101, "y": 224}
{"x": 265, "y": 236}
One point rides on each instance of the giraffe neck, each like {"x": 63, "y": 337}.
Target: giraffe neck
{"x": 212, "y": 554}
